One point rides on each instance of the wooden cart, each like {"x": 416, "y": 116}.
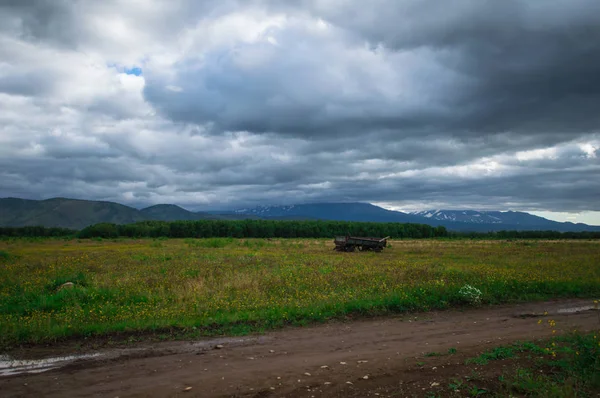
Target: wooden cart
{"x": 351, "y": 243}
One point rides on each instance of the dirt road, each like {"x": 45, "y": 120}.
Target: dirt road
{"x": 359, "y": 358}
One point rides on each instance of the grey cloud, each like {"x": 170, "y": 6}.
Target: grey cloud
{"x": 318, "y": 116}
{"x": 28, "y": 83}
{"x": 54, "y": 20}
{"x": 511, "y": 66}
{"x": 560, "y": 185}
{"x": 532, "y": 65}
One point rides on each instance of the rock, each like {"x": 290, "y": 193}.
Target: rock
{"x": 271, "y": 351}
{"x": 327, "y": 383}
{"x": 342, "y": 363}
{"x": 366, "y": 377}
{"x": 187, "y": 389}
{"x": 363, "y": 361}
{"x": 324, "y": 367}
{"x": 307, "y": 374}
{"x": 435, "y": 384}
{"x": 219, "y": 346}
{"x": 67, "y": 285}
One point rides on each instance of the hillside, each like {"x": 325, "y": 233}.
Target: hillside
{"x": 485, "y": 217}
{"x": 501, "y": 219}
{"x": 77, "y": 214}
{"x": 62, "y": 212}
{"x": 333, "y": 211}
{"x": 467, "y": 220}
{"x": 169, "y": 213}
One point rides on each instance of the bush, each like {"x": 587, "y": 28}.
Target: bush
{"x": 470, "y": 294}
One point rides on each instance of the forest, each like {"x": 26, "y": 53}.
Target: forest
{"x": 277, "y": 229}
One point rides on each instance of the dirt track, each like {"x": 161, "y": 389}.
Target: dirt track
{"x": 317, "y": 361}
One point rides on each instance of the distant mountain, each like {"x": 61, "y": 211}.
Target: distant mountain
{"x": 169, "y": 213}
{"x": 62, "y": 212}
{"x": 77, "y": 214}
{"x": 456, "y": 220}
{"x": 500, "y": 219}
{"x": 332, "y": 211}
{"x": 485, "y": 217}
{"x": 166, "y": 212}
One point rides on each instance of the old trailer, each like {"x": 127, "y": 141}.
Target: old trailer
{"x": 350, "y": 243}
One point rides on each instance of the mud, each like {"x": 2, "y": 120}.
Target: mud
{"x": 359, "y": 358}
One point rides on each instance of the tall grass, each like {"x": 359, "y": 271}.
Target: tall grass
{"x": 224, "y": 284}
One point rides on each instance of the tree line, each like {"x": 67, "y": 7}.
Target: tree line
{"x": 36, "y": 232}
{"x": 278, "y": 229}
{"x": 260, "y": 229}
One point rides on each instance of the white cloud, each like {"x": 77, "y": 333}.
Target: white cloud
{"x": 253, "y": 102}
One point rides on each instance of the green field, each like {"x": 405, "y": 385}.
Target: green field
{"x": 206, "y": 286}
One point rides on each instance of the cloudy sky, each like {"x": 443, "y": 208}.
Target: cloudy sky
{"x": 412, "y": 104}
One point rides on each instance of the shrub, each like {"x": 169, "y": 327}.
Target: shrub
{"x": 470, "y": 294}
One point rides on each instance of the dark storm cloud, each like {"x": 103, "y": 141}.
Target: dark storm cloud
{"x": 517, "y": 66}
{"x": 53, "y": 20}
{"x": 24, "y": 84}
{"x": 532, "y": 65}
{"x": 463, "y": 103}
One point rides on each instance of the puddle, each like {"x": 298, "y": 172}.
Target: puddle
{"x": 558, "y": 311}
{"x": 11, "y": 367}
{"x": 573, "y": 310}
{"x": 228, "y": 340}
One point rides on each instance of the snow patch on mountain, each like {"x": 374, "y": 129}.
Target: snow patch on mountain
{"x": 468, "y": 216}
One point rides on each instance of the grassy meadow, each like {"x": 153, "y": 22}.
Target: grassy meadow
{"x": 209, "y": 286}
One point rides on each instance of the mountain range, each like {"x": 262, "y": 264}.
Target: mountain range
{"x": 77, "y": 214}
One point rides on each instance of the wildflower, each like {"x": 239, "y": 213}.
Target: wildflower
{"x": 470, "y": 294}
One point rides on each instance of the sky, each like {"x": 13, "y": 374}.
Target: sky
{"x": 411, "y": 104}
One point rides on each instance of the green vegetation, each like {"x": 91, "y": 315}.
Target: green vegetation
{"x": 565, "y": 366}
{"x": 35, "y": 232}
{"x": 62, "y": 212}
{"x": 208, "y": 286}
{"x": 278, "y": 229}
{"x": 4, "y": 255}
{"x": 260, "y": 229}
